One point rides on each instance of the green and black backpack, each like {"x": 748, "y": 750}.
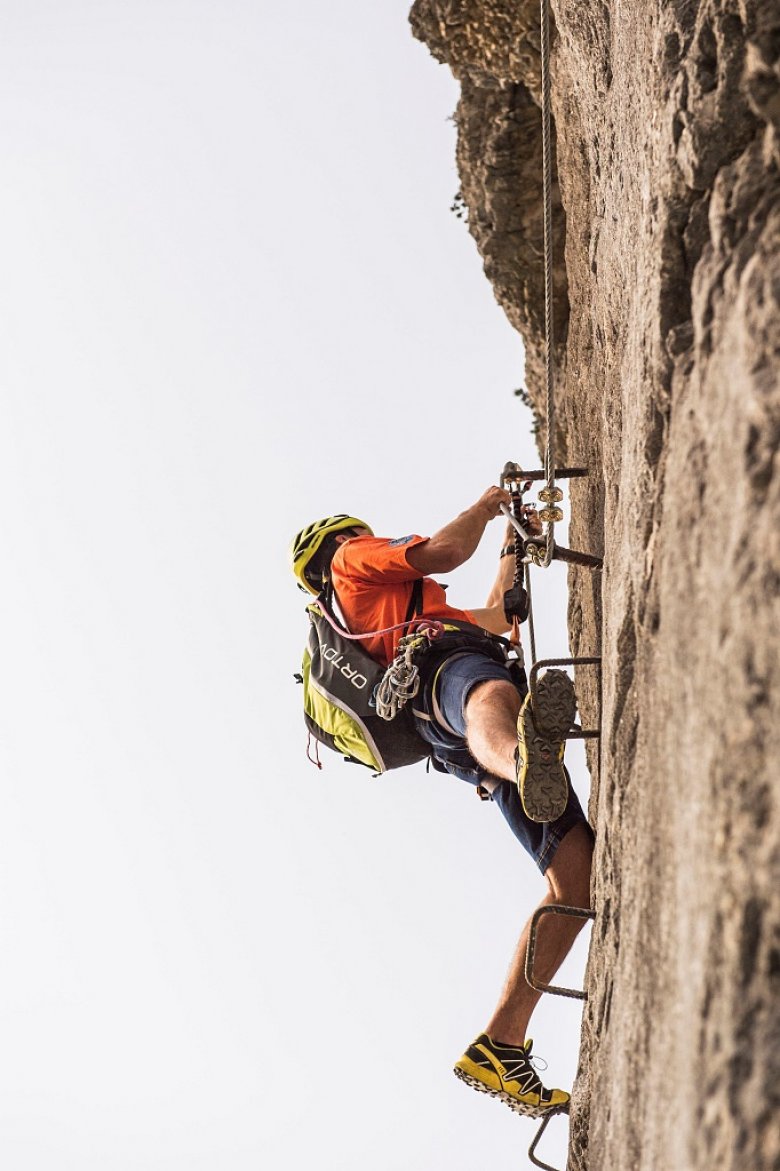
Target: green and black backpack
{"x": 339, "y": 681}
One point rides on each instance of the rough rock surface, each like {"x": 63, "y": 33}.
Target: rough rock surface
{"x": 668, "y": 299}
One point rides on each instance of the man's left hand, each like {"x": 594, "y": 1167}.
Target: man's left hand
{"x": 531, "y": 521}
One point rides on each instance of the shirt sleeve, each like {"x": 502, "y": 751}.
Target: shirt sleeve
{"x": 377, "y": 559}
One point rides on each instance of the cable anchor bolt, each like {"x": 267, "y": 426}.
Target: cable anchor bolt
{"x": 550, "y": 495}
{"x": 535, "y": 554}
{"x": 550, "y": 515}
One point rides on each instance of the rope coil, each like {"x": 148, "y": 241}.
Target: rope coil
{"x": 401, "y": 680}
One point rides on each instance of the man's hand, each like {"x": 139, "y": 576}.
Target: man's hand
{"x": 492, "y": 500}
{"x": 531, "y": 521}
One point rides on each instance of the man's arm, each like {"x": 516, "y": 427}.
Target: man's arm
{"x": 456, "y": 542}
{"x": 492, "y": 617}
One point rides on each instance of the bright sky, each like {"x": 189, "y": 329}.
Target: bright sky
{"x": 234, "y": 300}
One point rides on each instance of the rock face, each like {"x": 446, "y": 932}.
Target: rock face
{"x": 667, "y": 285}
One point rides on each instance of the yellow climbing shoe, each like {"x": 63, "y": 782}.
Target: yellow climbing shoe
{"x": 542, "y": 781}
{"x": 506, "y": 1072}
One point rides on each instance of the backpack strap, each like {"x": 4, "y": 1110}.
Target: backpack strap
{"x": 415, "y": 601}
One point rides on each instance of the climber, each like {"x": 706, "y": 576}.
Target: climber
{"x": 474, "y": 713}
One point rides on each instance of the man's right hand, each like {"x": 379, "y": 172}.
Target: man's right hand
{"x": 492, "y": 499}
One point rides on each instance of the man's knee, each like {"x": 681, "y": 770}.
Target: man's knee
{"x": 489, "y": 695}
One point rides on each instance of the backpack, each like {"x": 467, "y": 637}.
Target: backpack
{"x": 339, "y": 681}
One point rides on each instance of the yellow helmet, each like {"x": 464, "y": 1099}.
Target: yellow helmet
{"x": 307, "y": 543}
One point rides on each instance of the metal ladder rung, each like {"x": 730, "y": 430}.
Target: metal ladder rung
{"x": 537, "y": 1137}
{"x": 582, "y": 661}
{"x": 513, "y": 473}
{"x": 530, "y": 953}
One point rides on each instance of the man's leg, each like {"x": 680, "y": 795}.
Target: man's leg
{"x": 498, "y": 1062}
{"x": 495, "y": 735}
{"x": 568, "y": 876}
{"x": 491, "y": 713}
{"x": 491, "y": 731}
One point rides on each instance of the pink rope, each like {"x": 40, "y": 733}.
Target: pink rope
{"x": 432, "y": 625}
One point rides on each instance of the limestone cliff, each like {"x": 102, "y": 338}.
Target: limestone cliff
{"x": 667, "y": 278}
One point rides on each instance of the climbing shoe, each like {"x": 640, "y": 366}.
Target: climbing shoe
{"x": 542, "y": 780}
{"x": 506, "y": 1072}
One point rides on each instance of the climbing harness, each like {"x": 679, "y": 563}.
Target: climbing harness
{"x": 414, "y": 668}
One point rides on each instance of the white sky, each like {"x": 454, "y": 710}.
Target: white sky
{"x": 234, "y": 300}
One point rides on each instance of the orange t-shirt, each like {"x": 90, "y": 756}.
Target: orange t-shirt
{"x": 373, "y": 583}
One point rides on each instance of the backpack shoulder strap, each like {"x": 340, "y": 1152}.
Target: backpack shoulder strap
{"x": 328, "y": 600}
{"x": 415, "y": 601}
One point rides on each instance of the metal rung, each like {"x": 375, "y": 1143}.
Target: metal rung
{"x": 573, "y": 557}
{"x": 594, "y": 661}
{"x": 532, "y": 1149}
{"x": 513, "y": 474}
{"x": 530, "y": 953}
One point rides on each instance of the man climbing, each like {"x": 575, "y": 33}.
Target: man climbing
{"x": 475, "y": 716}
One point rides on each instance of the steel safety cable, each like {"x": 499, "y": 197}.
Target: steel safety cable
{"x": 549, "y": 332}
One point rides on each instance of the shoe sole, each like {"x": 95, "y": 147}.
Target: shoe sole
{"x": 544, "y": 791}
{"x": 554, "y": 705}
{"x": 518, "y": 1107}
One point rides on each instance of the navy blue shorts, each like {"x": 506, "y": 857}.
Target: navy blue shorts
{"x": 442, "y": 724}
